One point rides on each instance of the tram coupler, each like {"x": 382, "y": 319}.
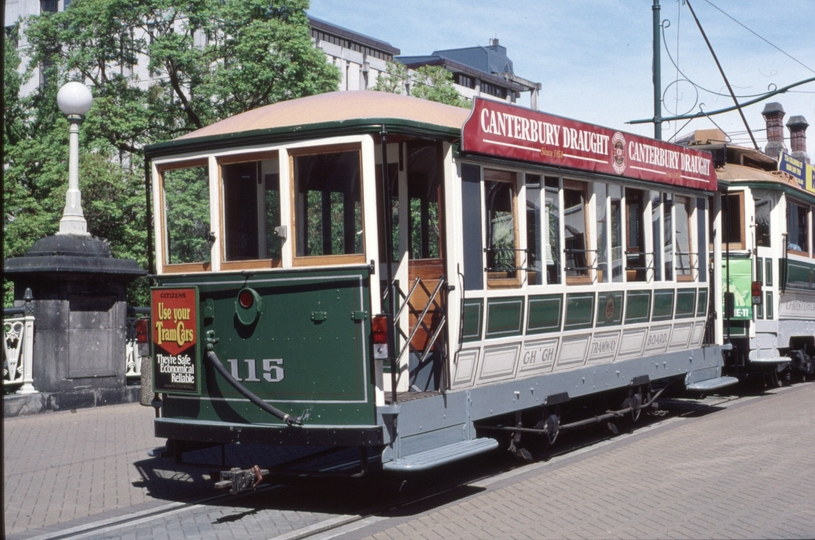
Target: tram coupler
{"x": 240, "y": 480}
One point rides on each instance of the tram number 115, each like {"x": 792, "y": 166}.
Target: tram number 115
{"x": 272, "y": 369}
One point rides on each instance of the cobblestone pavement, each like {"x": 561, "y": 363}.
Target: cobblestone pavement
{"x": 745, "y": 471}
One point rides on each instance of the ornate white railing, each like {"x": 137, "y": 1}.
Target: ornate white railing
{"x": 18, "y": 347}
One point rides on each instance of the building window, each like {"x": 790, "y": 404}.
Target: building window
{"x": 493, "y": 90}
{"x": 49, "y": 6}
{"x": 463, "y": 80}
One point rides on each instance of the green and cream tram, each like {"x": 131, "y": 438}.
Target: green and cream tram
{"x": 767, "y": 295}
{"x": 364, "y": 270}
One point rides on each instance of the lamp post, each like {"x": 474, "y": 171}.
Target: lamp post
{"x": 74, "y": 100}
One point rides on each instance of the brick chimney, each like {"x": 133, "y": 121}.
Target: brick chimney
{"x": 773, "y": 114}
{"x": 798, "y": 137}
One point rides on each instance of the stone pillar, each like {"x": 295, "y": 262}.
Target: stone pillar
{"x": 773, "y": 114}
{"x": 798, "y": 137}
{"x": 80, "y": 308}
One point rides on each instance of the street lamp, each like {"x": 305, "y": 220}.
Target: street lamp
{"x": 74, "y": 100}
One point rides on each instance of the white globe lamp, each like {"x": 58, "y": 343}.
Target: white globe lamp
{"x": 74, "y": 100}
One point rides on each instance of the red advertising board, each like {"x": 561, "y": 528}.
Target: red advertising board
{"x": 176, "y": 362}
{"x": 503, "y": 130}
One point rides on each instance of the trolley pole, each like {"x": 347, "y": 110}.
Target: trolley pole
{"x": 657, "y": 74}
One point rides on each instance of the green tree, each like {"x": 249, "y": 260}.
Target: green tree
{"x": 393, "y": 80}
{"x": 207, "y": 59}
{"x": 434, "y": 83}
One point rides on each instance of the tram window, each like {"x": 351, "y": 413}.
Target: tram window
{"x": 424, "y": 186}
{"x": 600, "y": 190}
{"x": 686, "y": 260}
{"x": 797, "y": 227}
{"x": 615, "y": 196}
{"x": 534, "y": 234}
{"x": 734, "y": 220}
{"x": 656, "y": 228}
{"x": 635, "y": 260}
{"x": 763, "y": 229}
{"x": 551, "y": 232}
{"x": 251, "y": 209}
{"x": 328, "y": 206}
{"x": 240, "y": 211}
{"x": 185, "y": 194}
{"x": 501, "y": 228}
{"x": 668, "y": 235}
{"x": 576, "y": 240}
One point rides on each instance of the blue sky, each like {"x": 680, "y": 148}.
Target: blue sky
{"x": 593, "y": 57}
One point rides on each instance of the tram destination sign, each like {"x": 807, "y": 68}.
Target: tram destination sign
{"x": 176, "y": 358}
{"x": 503, "y": 130}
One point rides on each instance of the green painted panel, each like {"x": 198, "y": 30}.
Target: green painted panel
{"x": 473, "y": 319}
{"x": 663, "y": 305}
{"x": 307, "y": 352}
{"x": 504, "y": 317}
{"x": 609, "y": 309}
{"x": 769, "y": 304}
{"x": 737, "y": 328}
{"x": 637, "y": 306}
{"x": 768, "y": 272}
{"x": 685, "y": 303}
{"x": 800, "y": 275}
{"x": 760, "y": 270}
{"x": 579, "y": 311}
{"x": 545, "y": 314}
{"x": 701, "y": 305}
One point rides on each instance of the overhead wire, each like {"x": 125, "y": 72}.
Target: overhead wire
{"x": 760, "y": 37}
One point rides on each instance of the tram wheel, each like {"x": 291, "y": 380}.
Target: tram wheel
{"x": 773, "y": 380}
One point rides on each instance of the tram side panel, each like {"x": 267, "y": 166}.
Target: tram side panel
{"x": 297, "y": 340}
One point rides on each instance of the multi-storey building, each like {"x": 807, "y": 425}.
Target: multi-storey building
{"x": 477, "y": 71}
{"x": 480, "y": 71}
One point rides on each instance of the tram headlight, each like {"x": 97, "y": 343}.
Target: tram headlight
{"x": 248, "y": 306}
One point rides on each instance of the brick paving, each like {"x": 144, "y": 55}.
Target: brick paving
{"x": 66, "y": 467}
{"x": 746, "y": 471}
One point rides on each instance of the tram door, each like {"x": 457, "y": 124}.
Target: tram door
{"x": 425, "y": 266}
{"x": 418, "y": 251}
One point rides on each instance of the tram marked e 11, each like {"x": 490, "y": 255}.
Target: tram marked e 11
{"x": 373, "y": 271}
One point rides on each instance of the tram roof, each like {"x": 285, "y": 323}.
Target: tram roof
{"x": 326, "y": 112}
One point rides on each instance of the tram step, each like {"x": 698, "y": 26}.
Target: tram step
{"x": 440, "y": 456}
{"x": 771, "y": 360}
{"x": 712, "y": 384}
